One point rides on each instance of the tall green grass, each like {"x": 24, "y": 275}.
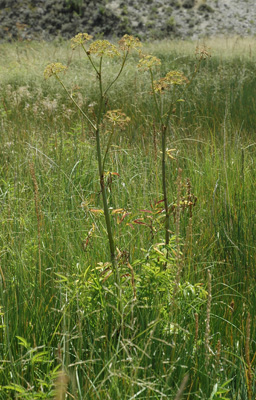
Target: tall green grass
{"x": 71, "y": 324}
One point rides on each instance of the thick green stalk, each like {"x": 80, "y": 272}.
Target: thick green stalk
{"x": 101, "y": 174}
{"x": 109, "y": 229}
{"x": 164, "y": 185}
{"x": 100, "y": 167}
{"x": 96, "y": 128}
{"x": 105, "y": 202}
{"x": 104, "y": 196}
{"x": 164, "y": 127}
{"x": 108, "y": 147}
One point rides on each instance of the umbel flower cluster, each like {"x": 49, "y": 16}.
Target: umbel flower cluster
{"x": 54, "y": 69}
{"x": 117, "y": 118}
{"x": 147, "y": 62}
{"x": 80, "y": 40}
{"x": 171, "y": 78}
{"x": 103, "y": 48}
{"x": 99, "y": 48}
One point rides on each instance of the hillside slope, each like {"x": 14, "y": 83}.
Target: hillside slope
{"x": 48, "y": 19}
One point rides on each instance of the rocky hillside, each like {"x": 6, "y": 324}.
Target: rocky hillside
{"x": 48, "y": 19}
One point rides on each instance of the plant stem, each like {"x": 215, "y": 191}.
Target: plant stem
{"x": 90, "y": 59}
{"x": 164, "y": 185}
{"x": 97, "y": 128}
{"x": 78, "y": 107}
{"x": 104, "y": 196}
{"x": 118, "y": 74}
{"x": 108, "y": 146}
{"x": 164, "y": 127}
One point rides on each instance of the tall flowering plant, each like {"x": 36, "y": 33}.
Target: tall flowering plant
{"x": 96, "y": 51}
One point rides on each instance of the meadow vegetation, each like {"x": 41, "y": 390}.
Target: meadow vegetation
{"x": 160, "y": 310}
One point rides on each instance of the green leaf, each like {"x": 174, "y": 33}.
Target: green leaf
{"x": 15, "y": 387}
{"x": 23, "y": 342}
{"x": 214, "y": 391}
{"x": 62, "y": 277}
{"x": 40, "y": 357}
{"x": 226, "y": 383}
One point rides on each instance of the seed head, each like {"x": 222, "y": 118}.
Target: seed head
{"x": 202, "y": 52}
{"x": 103, "y": 48}
{"x": 80, "y": 39}
{"x": 54, "y": 69}
{"x": 129, "y": 42}
{"x": 117, "y": 118}
{"x": 147, "y": 62}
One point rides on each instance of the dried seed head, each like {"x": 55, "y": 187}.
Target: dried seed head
{"x": 54, "y": 69}
{"x": 147, "y": 62}
{"x": 61, "y": 385}
{"x": 202, "y": 52}
{"x": 218, "y": 352}
{"x": 80, "y": 39}
{"x": 103, "y": 48}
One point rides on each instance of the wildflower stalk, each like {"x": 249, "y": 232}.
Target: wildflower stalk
{"x": 171, "y": 80}
{"x": 90, "y": 59}
{"x": 108, "y": 146}
{"x": 76, "y": 104}
{"x": 164, "y": 127}
{"x": 118, "y": 74}
{"x": 101, "y": 48}
{"x": 104, "y": 193}
{"x": 164, "y": 186}
{"x": 107, "y": 216}
{"x": 100, "y": 167}
{"x": 104, "y": 196}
